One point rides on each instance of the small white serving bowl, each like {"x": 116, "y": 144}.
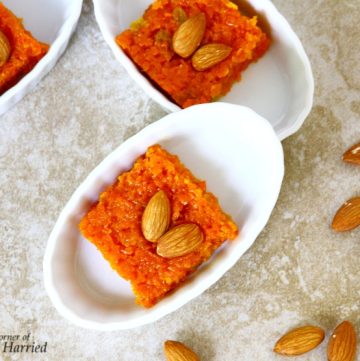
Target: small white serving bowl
{"x": 279, "y": 87}
{"x": 231, "y": 147}
{"x": 51, "y": 22}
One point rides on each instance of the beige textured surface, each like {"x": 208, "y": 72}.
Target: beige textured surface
{"x": 297, "y": 272}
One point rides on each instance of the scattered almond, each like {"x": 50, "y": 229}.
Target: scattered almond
{"x": 348, "y": 216}
{"x": 177, "y": 351}
{"x": 189, "y": 35}
{"x": 342, "y": 343}
{"x": 299, "y": 341}
{"x": 4, "y": 48}
{"x": 156, "y": 217}
{"x": 352, "y": 155}
{"x": 209, "y": 55}
{"x": 180, "y": 241}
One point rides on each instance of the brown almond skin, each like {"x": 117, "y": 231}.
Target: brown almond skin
{"x": 156, "y": 217}
{"x": 342, "y": 343}
{"x": 5, "y": 49}
{"x": 180, "y": 240}
{"x": 348, "y": 216}
{"x": 299, "y": 341}
{"x": 189, "y": 35}
{"x": 352, "y": 155}
{"x": 177, "y": 351}
{"x": 210, "y": 55}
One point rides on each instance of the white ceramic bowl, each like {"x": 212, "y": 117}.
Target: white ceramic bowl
{"x": 241, "y": 159}
{"x": 50, "y": 21}
{"x": 280, "y": 86}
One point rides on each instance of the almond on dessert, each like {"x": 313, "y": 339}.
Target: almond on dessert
{"x": 157, "y": 224}
{"x": 19, "y": 50}
{"x": 207, "y": 47}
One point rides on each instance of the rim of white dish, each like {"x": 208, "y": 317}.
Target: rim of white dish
{"x": 170, "y": 106}
{"x": 79, "y": 194}
{"x": 41, "y": 69}
{"x": 299, "y": 121}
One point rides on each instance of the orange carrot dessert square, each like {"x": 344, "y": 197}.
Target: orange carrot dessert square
{"x": 25, "y": 51}
{"x": 149, "y": 43}
{"x": 113, "y": 225}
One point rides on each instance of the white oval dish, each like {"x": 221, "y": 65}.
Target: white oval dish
{"x": 241, "y": 159}
{"x": 54, "y": 25}
{"x": 279, "y": 87}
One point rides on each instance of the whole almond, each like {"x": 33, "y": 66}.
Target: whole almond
{"x": 180, "y": 241}
{"x": 299, "y": 341}
{"x": 4, "y": 48}
{"x": 189, "y": 35}
{"x": 177, "y": 351}
{"x": 348, "y": 216}
{"x": 352, "y": 155}
{"x": 342, "y": 343}
{"x": 156, "y": 217}
{"x": 209, "y": 55}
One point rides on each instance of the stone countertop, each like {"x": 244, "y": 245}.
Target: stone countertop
{"x": 298, "y": 270}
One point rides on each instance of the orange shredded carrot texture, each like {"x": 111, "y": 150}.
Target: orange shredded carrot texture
{"x": 26, "y": 51}
{"x": 148, "y": 44}
{"x": 113, "y": 225}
